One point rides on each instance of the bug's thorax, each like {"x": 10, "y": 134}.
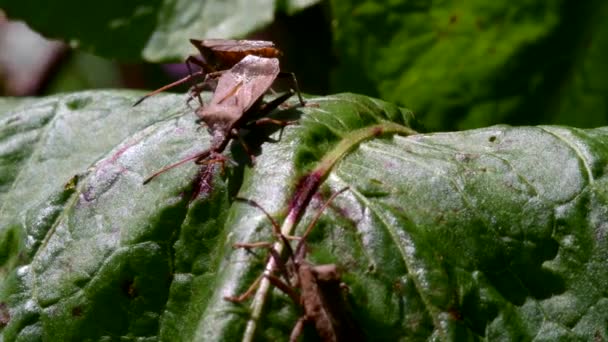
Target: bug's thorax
{"x": 224, "y": 53}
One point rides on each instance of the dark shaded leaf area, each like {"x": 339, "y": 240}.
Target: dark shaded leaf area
{"x": 463, "y": 65}
{"x": 153, "y": 30}
{"x": 497, "y": 233}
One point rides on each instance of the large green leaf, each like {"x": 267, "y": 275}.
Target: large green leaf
{"x": 496, "y": 233}
{"x": 477, "y": 63}
{"x": 154, "y": 30}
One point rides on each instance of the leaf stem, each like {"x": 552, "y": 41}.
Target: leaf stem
{"x": 307, "y": 186}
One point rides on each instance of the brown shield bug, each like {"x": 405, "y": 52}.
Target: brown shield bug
{"x": 237, "y": 103}
{"x": 316, "y": 288}
{"x": 220, "y": 55}
{"x": 238, "y": 98}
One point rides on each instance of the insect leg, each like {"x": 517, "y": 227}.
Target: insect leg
{"x": 200, "y": 155}
{"x": 273, "y": 280}
{"x": 250, "y": 154}
{"x": 263, "y": 110}
{"x": 246, "y": 294}
{"x": 283, "y": 287}
{"x": 215, "y": 157}
{"x": 207, "y": 81}
{"x": 297, "y": 329}
{"x": 197, "y": 89}
{"x": 266, "y": 108}
{"x": 282, "y": 123}
{"x": 301, "y": 246}
{"x": 276, "y": 229}
{"x": 286, "y": 286}
{"x": 294, "y": 82}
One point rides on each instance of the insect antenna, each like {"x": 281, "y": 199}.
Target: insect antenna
{"x": 302, "y": 242}
{"x": 276, "y": 229}
{"x": 169, "y": 86}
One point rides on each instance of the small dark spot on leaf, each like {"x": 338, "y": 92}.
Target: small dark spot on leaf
{"x": 128, "y": 287}
{"x": 453, "y": 19}
{"x": 378, "y": 131}
{"x": 371, "y": 268}
{"x": 78, "y": 103}
{"x": 23, "y": 257}
{"x": 492, "y": 139}
{"x": 13, "y": 119}
{"x": 77, "y": 311}
{"x": 5, "y": 316}
{"x": 398, "y": 287}
{"x": 455, "y": 314}
{"x": 597, "y": 337}
{"x": 466, "y": 157}
{"x": 71, "y": 184}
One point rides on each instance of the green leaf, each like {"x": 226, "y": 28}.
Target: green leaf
{"x": 474, "y": 64}
{"x": 152, "y": 30}
{"x": 495, "y": 233}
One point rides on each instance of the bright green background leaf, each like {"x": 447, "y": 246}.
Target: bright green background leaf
{"x": 496, "y": 233}
{"x": 472, "y": 64}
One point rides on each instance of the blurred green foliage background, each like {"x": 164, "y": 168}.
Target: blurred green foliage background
{"x": 456, "y": 64}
